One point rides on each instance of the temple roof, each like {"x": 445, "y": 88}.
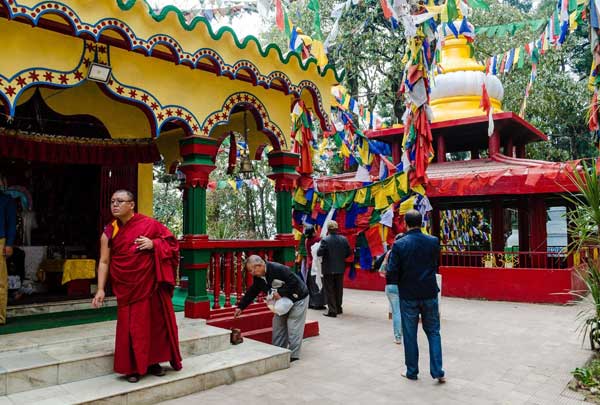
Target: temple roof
{"x": 468, "y": 133}
{"x": 499, "y": 175}
{"x": 134, "y": 25}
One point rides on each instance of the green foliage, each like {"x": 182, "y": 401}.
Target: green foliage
{"x": 367, "y": 48}
{"x": 167, "y": 200}
{"x": 584, "y": 228}
{"x": 247, "y": 213}
{"x": 558, "y": 98}
{"x": 588, "y": 376}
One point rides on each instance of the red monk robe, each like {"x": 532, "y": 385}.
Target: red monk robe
{"x": 143, "y": 282}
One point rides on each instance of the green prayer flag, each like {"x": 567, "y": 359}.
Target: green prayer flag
{"x": 535, "y": 55}
{"x": 287, "y": 24}
{"x": 452, "y": 10}
{"x": 314, "y": 6}
{"x": 480, "y": 4}
{"x": 375, "y": 217}
{"x": 522, "y": 54}
{"x": 327, "y": 202}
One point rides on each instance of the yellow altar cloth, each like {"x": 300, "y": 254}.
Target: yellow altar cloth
{"x": 76, "y": 269}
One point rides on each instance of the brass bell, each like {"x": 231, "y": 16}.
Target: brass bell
{"x": 246, "y": 165}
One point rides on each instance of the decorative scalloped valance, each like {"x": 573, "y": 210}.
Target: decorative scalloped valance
{"x": 75, "y": 150}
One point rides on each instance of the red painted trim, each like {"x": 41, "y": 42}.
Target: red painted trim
{"x": 278, "y": 158}
{"x": 197, "y": 310}
{"x": 498, "y": 284}
{"x": 505, "y": 116}
{"x": 234, "y": 244}
{"x": 198, "y": 149}
{"x": 199, "y": 266}
{"x": 522, "y": 285}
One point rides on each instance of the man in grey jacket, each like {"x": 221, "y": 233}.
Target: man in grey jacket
{"x": 334, "y": 249}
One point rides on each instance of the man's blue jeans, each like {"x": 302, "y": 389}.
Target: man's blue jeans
{"x": 430, "y": 317}
{"x": 391, "y": 291}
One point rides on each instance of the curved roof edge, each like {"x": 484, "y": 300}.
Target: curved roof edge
{"x": 126, "y": 5}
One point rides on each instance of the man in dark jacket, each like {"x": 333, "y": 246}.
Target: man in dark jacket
{"x": 334, "y": 249}
{"x": 288, "y": 329}
{"x": 415, "y": 258}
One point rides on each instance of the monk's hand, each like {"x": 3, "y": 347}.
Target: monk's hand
{"x": 237, "y": 313}
{"x": 276, "y": 296}
{"x": 144, "y": 243}
{"x": 8, "y": 251}
{"x": 98, "y": 299}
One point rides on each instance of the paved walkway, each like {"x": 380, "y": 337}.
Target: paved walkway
{"x": 494, "y": 353}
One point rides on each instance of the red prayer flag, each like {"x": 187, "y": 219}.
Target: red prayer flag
{"x": 373, "y": 236}
{"x": 485, "y": 103}
{"x": 387, "y": 11}
{"x": 279, "y": 15}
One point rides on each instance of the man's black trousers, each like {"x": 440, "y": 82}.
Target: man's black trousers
{"x": 334, "y": 290}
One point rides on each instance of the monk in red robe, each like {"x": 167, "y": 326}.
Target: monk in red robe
{"x": 141, "y": 256}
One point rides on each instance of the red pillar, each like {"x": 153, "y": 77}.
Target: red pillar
{"x": 497, "y": 226}
{"x": 397, "y": 151}
{"x": 508, "y": 146}
{"x": 523, "y": 226}
{"x": 494, "y": 143}
{"x": 474, "y": 154}
{"x": 435, "y": 222}
{"x": 538, "y": 238}
{"x": 520, "y": 151}
{"x": 441, "y": 149}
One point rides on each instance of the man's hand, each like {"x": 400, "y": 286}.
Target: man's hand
{"x": 144, "y": 243}
{"x": 237, "y": 313}
{"x": 98, "y": 299}
{"x": 8, "y": 251}
{"x": 276, "y": 296}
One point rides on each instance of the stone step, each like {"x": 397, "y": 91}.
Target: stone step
{"x": 73, "y": 335}
{"x": 199, "y": 373}
{"x": 85, "y": 353}
{"x": 14, "y": 311}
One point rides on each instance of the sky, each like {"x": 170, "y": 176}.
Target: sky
{"x": 245, "y": 24}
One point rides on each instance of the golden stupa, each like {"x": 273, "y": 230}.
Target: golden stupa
{"x": 456, "y": 88}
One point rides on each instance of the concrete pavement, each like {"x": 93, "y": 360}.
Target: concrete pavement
{"x": 494, "y": 353}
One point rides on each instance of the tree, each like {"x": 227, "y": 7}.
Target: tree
{"x": 167, "y": 200}
{"x": 557, "y": 101}
{"x": 368, "y": 49}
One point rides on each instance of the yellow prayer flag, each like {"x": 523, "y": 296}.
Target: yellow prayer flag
{"x": 345, "y": 152}
{"x": 406, "y": 205}
{"x": 389, "y": 187}
{"x": 233, "y": 184}
{"x": 361, "y": 195}
{"x": 318, "y": 51}
{"x": 381, "y": 200}
{"x": 402, "y": 182}
{"x": 517, "y": 55}
{"x": 419, "y": 189}
{"x": 300, "y": 197}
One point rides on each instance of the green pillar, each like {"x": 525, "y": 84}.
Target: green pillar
{"x": 284, "y": 173}
{"x": 198, "y": 161}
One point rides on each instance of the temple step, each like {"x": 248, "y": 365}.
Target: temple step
{"x": 33, "y": 360}
{"x": 199, "y": 373}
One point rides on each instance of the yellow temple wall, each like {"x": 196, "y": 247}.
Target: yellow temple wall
{"x": 145, "y": 188}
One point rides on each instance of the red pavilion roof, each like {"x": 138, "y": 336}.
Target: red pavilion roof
{"x": 493, "y": 176}
{"x": 469, "y": 133}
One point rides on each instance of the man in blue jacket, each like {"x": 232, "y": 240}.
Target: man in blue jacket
{"x": 8, "y": 218}
{"x": 415, "y": 258}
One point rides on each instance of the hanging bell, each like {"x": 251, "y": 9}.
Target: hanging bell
{"x": 246, "y": 165}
